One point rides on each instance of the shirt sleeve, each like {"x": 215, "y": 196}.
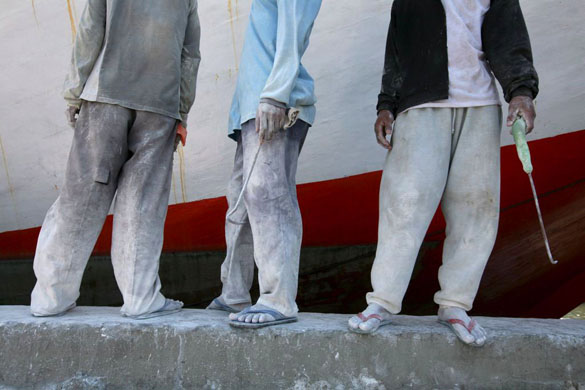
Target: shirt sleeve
{"x": 190, "y": 59}
{"x": 295, "y": 22}
{"x": 392, "y": 77}
{"x": 86, "y": 49}
{"x": 507, "y": 46}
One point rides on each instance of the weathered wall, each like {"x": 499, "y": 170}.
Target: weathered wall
{"x": 94, "y": 348}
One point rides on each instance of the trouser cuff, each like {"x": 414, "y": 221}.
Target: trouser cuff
{"x": 289, "y": 310}
{"x": 446, "y": 302}
{"x": 388, "y": 306}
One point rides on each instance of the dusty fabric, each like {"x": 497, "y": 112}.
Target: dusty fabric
{"x": 471, "y": 82}
{"x": 139, "y": 54}
{"x": 447, "y": 155}
{"x": 115, "y": 151}
{"x": 272, "y": 230}
{"x": 270, "y": 66}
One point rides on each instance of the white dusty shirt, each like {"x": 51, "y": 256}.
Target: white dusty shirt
{"x": 471, "y": 82}
{"x": 139, "y": 54}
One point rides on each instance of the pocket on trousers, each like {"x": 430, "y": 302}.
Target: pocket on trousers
{"x": 102, "y": 175}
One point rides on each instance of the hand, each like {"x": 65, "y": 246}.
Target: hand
{"x": 383, "y": 128}
{"x": 524, "y": 107}
{"x": 71, "y": 113}
{"x": 269, "y": 120}
{"x": 181, "y": 135}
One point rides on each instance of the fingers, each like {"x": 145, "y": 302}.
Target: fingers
{"x": 263, "y": 128}
{"x": 522, "y": 106}
{"x": 513, "y": 111}
{"x": 258, "y": 119}
{"x": 528, "y": 113}
{"x": 271, "y": 124}
{"x": 381, "y": 129}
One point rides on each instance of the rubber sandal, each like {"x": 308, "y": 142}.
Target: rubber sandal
{"x": 170, "y": 307}
{"x": 469, "y": 327}
{"x": 279, "y": 318}
{"x": 362, "y": 317}
{"x": 216, "y": 304}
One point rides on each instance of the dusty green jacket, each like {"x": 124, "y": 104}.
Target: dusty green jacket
{"x": 139, "y": 54}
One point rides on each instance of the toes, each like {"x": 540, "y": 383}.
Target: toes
{"x": 266, "y": 318}
{"x": 480, "y": 335}
{"x": 370, "y": 324}
{"x": 248, "y": 318}
{"x": 463, "y": 334}
{"x": 233, "y": 316}
{"x": 256, "y": 318}
{"x": 480, "y": 340}
{"x": 354, "y": 322}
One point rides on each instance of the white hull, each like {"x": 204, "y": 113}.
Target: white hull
{"x": 345, "y": 58}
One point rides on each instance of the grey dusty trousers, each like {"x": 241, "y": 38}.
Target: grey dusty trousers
{"x": 115, "y": 151}
{"x": 447, "y": 155}
{"x": 272, "y": 230}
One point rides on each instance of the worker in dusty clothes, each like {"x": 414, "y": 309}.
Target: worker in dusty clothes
{"x": 267, "y": 226}
{"x": 129, "y": 90}
{"x": 439, "y": 116}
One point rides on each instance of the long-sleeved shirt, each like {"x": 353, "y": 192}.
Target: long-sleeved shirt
{"x": 270, "y": 67}
{"x": 139, "y": 54}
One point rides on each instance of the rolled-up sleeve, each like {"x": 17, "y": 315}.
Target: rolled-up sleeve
{"x": 86, "y": 49}
{"x": 295, "y": 22}
{"x": 190, "y": 59}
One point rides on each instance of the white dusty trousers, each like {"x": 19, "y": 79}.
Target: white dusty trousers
{"x": 115, "y": 151}
{"x": 271, "y": 229}
{"x": 446, "y": 155}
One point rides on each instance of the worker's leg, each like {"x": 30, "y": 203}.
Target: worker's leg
{"x": 237, "y": 270}
{"x": 140, "y": 210}
{"x": 75, "y": 220}
{"x": 275, "y": 217}
{"x": 471, "y": 205}
{"x": 413, "y": 181}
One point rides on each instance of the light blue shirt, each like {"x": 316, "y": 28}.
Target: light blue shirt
{"x": 270, "y": 67}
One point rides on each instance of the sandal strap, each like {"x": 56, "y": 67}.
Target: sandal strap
{"x": 470, "y": 326}
{"x": 362, "y": 317}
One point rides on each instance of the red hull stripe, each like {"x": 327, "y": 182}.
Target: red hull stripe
{"x": 341, "y": 211}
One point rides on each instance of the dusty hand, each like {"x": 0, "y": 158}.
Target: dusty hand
{"x": 181, "y": 136}
{"x": 524, "y": 107}
{"x": 269, "y": 120}
{"x": 383, "y": 128}
{"x": 71, "y": 113}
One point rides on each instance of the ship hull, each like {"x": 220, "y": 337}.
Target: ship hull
{"x": 339, "y": 169}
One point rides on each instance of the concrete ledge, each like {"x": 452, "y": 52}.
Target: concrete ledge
{"x": 95, "y": 348}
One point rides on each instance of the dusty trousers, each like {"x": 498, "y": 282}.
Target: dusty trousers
{"x": 446, "y": 155}
{"x": 271, "y": 229}
{"x": 115, "y": 151}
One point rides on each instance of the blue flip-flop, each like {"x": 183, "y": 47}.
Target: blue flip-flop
{"x": 170, "y": 307}
{"x": 216, "y": 304}
{"x": 279, "y": 318}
